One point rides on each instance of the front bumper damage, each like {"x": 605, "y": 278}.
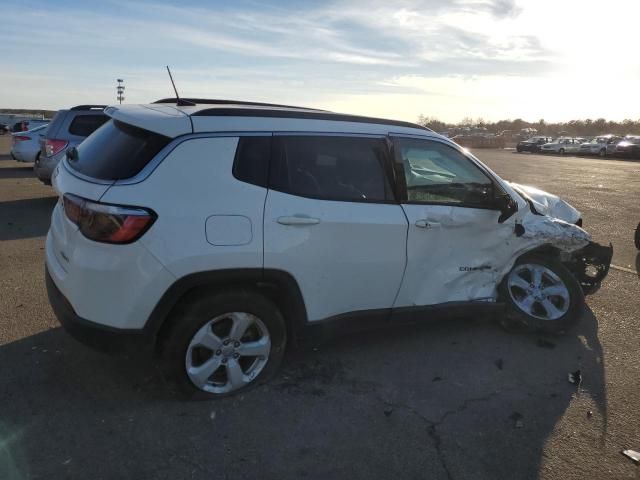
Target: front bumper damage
{"x": 590, "y": 265}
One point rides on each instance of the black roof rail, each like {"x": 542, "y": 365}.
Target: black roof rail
{"x": 214, "y": 101}
{"x": 303, "y": 114}
{"x": 89, "y": 107}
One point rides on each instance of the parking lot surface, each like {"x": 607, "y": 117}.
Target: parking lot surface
{"x": 455, "y": 400}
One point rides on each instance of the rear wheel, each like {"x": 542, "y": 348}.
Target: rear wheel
{"x": 222, "y": 343}
{"x": 602, "y": 152}
{"x": 561, "y": 151}
{"x": 541, "y": 295}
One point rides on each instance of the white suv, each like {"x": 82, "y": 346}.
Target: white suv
{"x": 218, "y": 232}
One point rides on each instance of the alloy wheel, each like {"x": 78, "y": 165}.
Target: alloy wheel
{"x": 228, "y": 352}
{"x": 538, "y": 292}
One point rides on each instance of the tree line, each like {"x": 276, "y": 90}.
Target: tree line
{"x": 588, "y": 127}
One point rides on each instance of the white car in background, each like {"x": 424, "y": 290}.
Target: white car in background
{"x": 603, "y": 145}
{"x": 26, "y": 145}
{"x": 562, "y": 145}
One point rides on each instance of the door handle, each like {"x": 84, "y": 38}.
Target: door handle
{"x": 298, "y": 221}
{"x": 426, "y": 224}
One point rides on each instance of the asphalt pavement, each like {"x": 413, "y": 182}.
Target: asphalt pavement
{"x": 455, "y": 400}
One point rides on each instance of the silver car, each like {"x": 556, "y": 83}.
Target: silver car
{"x": 67, "y": 129}
{"x": 25, "y": 146}
{"x": 603, "y": 145}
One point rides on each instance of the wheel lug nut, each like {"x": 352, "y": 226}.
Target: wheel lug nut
{"x": 218, "y": 352}
{"x": 224, "y": 360}
{"x": 226, "y": 342}
{"x": 236, "y": 355}
{"x": 236, "y": 344}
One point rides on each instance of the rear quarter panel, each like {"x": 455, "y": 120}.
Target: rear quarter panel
{"x": 188, "y": 190}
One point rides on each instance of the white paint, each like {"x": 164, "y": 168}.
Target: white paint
{"x": 352, "y": 259}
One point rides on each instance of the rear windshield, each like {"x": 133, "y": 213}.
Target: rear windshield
{"x": 85, "y": 125}
{"x": 117, "y": 151}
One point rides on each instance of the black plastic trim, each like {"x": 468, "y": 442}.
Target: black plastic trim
{"x": 214, "y": 101}
{"x": 301, "y": 114}
{"x": 276, "y": 283}
{"x": 88, "y": 107}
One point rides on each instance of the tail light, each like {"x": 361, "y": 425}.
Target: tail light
{"x": 53, "y": 146}
{"x": 106, "y": 223}
{"x": 20, "y": 138}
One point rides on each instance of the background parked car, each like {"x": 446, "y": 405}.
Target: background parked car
{"x": 562, "y": 145}
{"x": 603, "y": 145}
{"x": 4, "y": 128}
{"x": 26, "y": 145}
{"x": 67, "y": 129}
{"x": 533, "y": 144}
{"x": 628, "y": 148}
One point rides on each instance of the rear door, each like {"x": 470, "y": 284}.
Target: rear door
{"x": 332, "y": 222}
{"x": 455, "y": 245}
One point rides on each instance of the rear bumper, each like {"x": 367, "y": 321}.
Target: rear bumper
{"x": 97, "y": 336}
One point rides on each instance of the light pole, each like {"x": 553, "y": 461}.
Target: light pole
{"x": 120, "y": 90}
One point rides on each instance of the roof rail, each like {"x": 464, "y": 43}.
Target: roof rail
{"x": 301, "y": 113}
{"x": 89, "y": 107}
{"x": 213, "y": 101}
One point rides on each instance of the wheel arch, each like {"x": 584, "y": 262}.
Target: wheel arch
{"x": 277, "y": 285}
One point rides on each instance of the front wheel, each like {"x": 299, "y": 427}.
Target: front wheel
{"x": 561, "y": 151}
{"x": 222, "y": 343}
{"x": 541, "y": 295}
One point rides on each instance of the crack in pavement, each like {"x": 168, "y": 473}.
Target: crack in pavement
{"x": 432, "y": 425}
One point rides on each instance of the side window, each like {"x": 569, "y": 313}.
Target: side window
{"x": 85, "y": 125}
{"x": 251, "y": 164}
{"x": 439, "y": 174}
{"x": 331, "y": 168}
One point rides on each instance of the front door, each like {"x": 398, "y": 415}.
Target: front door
{"x": 332, "y": 222}
{"x": 455, "y": 244}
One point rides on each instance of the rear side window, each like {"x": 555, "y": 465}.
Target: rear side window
{"x": 85, "y": 125}
{"x": 116, "y": 151}
{"x": 331, "y": 168}
{"x": 251, "y": 164}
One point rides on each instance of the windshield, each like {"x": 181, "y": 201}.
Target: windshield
{"x": 116, "y": 151}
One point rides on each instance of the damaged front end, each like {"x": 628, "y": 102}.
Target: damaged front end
{"x": 588, "y": 261}
{"x": 590, "y": 265}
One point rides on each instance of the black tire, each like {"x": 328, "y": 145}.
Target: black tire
{"x": 637, "y": 237}
{"x": 561, "y": 151}
{"x": 203, "y": 306}
{"x": 517, "y": 320}
{"x": 602, "y": 152}
{"x": 518, "y": 149}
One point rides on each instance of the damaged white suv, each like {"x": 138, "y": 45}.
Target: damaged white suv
{"x": 218, "y": 232}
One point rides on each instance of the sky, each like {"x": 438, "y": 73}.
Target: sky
{"x": 493, "y": 59}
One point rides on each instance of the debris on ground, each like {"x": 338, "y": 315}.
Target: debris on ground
{"x": 575, "y": 377}
{"x": 499, "y": 363}
{"x": 517, "y": 418}
{"x": 436, "y": 379}
{"x": 388, "y": 411}
{"x": 633, "y": 455}
{"x": 589, "y": 414}
{"x": 212, "y": 416}
{"x": 542, "y": 343}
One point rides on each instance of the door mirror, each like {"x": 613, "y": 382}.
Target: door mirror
{"x": 507, "y": 206}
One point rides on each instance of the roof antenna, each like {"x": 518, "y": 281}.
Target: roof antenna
{"x": 179, "y": 102}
